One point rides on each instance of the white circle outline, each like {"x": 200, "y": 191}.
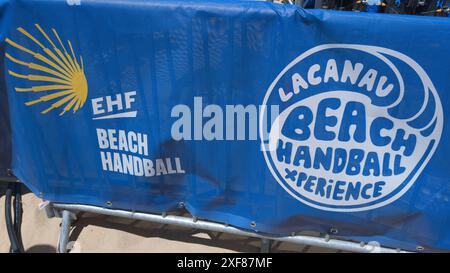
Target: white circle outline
{"x": 375, "y": 50}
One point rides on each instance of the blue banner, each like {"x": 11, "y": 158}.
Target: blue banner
{"x": 266, "y": 117}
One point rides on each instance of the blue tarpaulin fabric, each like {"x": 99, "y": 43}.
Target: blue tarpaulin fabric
{"x": 266, "y": 117}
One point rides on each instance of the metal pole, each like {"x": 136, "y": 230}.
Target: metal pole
{"x": 217, "y": 227}
{"x": 318, "y": 4}
{"x": 67, "y": 218}
{"x": 265, "y": 245}
{"x": 299, "y": 3}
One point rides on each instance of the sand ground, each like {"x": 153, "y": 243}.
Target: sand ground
{"x": 97, "y": 233}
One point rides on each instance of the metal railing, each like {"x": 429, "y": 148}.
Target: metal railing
{"x": 68, "y": 214}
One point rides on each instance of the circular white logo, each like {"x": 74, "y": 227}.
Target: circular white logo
{"x": 356, "y": 126}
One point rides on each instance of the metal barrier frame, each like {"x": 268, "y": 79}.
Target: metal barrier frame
{"x": 68, "y": 213}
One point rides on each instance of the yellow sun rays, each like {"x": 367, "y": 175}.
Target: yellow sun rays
{"x": 66, "y": 85}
